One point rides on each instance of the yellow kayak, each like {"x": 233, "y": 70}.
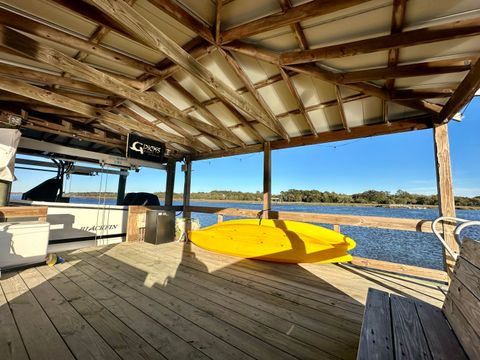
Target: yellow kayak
{"x": 275, "y": 240}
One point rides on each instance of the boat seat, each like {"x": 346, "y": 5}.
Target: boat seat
{"x": 397, "y": 327}
{"x": 141, "y": 198}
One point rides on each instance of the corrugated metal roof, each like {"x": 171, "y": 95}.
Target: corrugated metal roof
{"x": 317, "y": 96}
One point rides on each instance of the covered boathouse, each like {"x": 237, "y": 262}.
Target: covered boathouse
{"x": 209, "y": 79}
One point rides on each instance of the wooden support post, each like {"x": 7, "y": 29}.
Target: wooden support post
{"x": 169, "y": 188}
{"x": 5, "y": 187}
{"x": 186, "y": 187}
{"x": 122, "y": 182}
{"x": 267, "y": 180}
{"x": 446, "y": 198}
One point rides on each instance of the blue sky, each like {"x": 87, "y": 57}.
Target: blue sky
{"x": 392, "y": 162}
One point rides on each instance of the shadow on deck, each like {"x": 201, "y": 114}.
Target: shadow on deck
{"x": 178, "y": 301}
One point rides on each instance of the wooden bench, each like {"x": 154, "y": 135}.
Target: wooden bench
{"x": 396, "y": 327}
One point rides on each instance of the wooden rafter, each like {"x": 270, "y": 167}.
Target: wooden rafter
{"x": 333, "y": 78}
{"x": 245, "y": 123}
{"x": 422, "y": 93}
{"x": 144, "y": 31}
{"x": 398, "y": 19}
{"x": 13, "y": 20}
{"x": 417, "y": 123}
{"x": 303, "y": 44}
{"x": 176, "y": 12}
{"x": 341, "y": 110}
{"x": 293, "y": 91}
{"x": 253, "y": 91}
{"x": 287, "y": 17}
{"x": 253, "y": 51}
{"x": 324, "y": 105}
{"x": 42, "y": 77}
{"x": 295, "y": 27}
{"x": 90, "y": 13}
{"x": 190, "y": 143}
{"x": 464, "y": 93}
{"x": 207, "y": 114}
{"x": 411, "y": 70}
{"x": 48, "y": 97}
{"x": 195, "y": 48}
{"x": 150, "y": 99}
{"x": 214, "y": 134}
{"x": 453, "y": 30}
{"x": 69, "y": 129}
{"x": 366, "y": 88}
{"x": 88, "y": 99}
{"x": 218, "y": 21}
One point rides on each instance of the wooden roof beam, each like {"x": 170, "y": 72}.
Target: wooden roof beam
{"x": 426, "y": 93}
{"x": 411, "y": 70}
{"x": 453, "y": 30}
{"x": 190, "y": 143}
{"x": 462, "y": 95}
{"x": 175, "y": 11}
{"x": 91, "y": 13}
{"x": 218, "y": 21}
{"x": 48, "y": 97}
{"x": 72, "y": 130}
{"x": 398, "y": 20}
{"x": 416, "y": 123}
{"x": 144, "y": 31}
{"x": 295, "y": 27}
{"x": 254, "y": 51}
{"x": 293, "y": 91}
{"x": 207, "y": 114}
{"x": 42, "y": 77}
{"x": 201, "y": 126}
{"x": 197, "y": 48}
{"x": 30, "y": 26}
{"x": 366, "y": 88}
{"x": 172, "y": 123}
{"x": 333, "y": 78}
{"x": 341, "y": 110}
{"x": 88, "y": 99}
{"x": 253, "y": 91}
{"x": 288, "y": 16}
{"x": 151, "y": 100}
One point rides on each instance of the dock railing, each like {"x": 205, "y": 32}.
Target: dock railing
{"x": 338, "y": 220}
{"x": 136, "y": 225}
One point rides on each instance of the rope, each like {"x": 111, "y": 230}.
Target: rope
{"x": 98, "y": 203}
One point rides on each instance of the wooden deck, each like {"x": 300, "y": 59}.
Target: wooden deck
{"x": 140, "y": 301}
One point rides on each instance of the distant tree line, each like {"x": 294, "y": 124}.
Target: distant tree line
{"x": 371, "y": 197}
{"x": 315, "y": 196}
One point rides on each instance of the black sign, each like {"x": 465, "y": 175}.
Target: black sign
{"x": 142, "y": 148}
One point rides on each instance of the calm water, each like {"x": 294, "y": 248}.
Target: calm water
{"x": 391, "y": 245}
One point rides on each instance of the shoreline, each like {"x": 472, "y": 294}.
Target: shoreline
{"x": 387, "y": 206}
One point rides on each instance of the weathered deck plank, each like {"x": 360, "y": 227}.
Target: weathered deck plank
{"x": 376, "y": 340}
{"x": 181, "y": 302}
{"x": 40, "y": 337}
{"x": 11, "y": 344}
{"x": 244, "y": 312}
{"x": 81, "y": 338}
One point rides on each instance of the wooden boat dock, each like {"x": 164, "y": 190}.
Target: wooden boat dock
{"x": 100, "y": 81}
{"x": 178, "y": 301}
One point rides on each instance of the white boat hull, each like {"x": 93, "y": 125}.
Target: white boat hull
{"x": 73, "y": 226}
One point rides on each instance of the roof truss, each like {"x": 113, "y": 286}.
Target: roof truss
{"x": 84, "y": 95}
